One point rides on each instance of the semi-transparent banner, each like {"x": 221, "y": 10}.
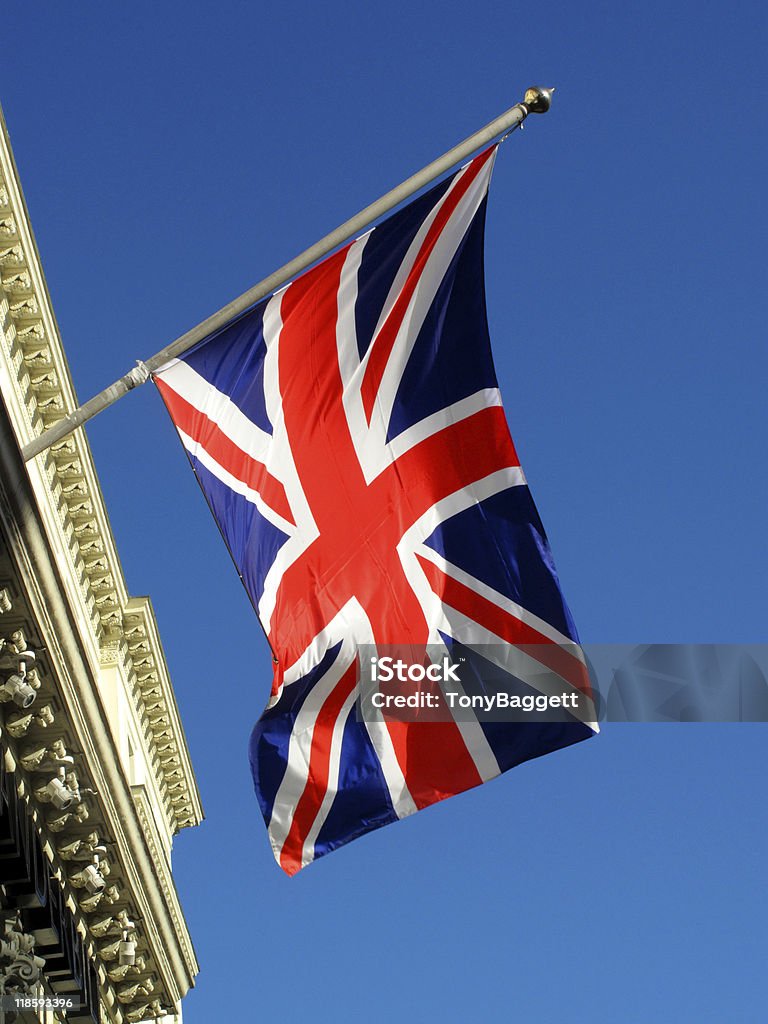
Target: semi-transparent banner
{"x": 562, "y": 682}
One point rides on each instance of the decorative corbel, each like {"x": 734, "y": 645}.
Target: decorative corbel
{"x": 18, "y": 723}
{"x": 107, "y": 896}
{"x": 123, "y": 971}
{"x": 57, "y": 821}
{"x": 135, "y": 990}
{"x": 39, "y": 758}
{"x": 145, "y": 1011}
{"x": 81, "y": 848}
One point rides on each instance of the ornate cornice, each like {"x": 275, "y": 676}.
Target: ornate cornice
{"x": 89, "y": 855}
{"x": 69, "y": 591}
{"x": 169, "y": 890}
{"x": 41, "y": 392}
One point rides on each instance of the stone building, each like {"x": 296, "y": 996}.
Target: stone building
{"x": 95, "y": 775}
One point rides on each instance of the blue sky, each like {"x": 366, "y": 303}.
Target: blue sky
{"x": 172, "y": 154}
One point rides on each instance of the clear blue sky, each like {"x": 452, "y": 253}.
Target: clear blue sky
{"x": 172, "y": 154}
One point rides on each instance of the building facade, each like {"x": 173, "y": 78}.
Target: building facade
{"x": 95, "y": 775}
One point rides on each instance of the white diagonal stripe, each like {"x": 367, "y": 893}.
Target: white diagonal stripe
{"x": 502, "y": 601}
{"x": 370, "y": 441}
{"x": 221, "y": 410}
{"x": 299, "y": 751}
{"x": 201, "y": 455}
{"x": 332, "y": 787}
{"x": 306, "y": 529}
{"x": 429, "y": 282}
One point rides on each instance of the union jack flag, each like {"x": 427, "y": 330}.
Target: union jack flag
{"x": 349, "y": 437}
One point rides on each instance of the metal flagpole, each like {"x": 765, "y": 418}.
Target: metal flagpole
{"x": 536, "y": 101}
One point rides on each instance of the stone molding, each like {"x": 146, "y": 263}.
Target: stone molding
{"x": 121, "y": 626}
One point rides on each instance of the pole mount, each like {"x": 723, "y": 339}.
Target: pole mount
{"x": 538, "y": 99}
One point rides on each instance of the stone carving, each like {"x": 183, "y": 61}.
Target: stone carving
{"x": 47, "y": 381}
{"x": 100, "y": 926}
{"x": 74, "y": 490}
{"x": 145, "y": 1011}
{"x": 110, "y": 950}
{"x": 20, "y": 969}
{"x": 86, "y": 529}
{"x": 24, "y": 307}
{"x": 111, "y": 620}
{"x": 40, "y": 758}
{"x": 49, "y": 405}
{"x": 82, "y": 508}
{"x": 57, "y": 821}
{"x": 121, "y": 948}
{"x": 135, "y": 990}
{"x": 88, "y": 548}
{"x": 5, "y": 600}
{"x": 103, "y": 582}
{"x": 107, "y": 896}
{"x": 11, "y": 256}
{"x": 18, "y": 723}
{"x": 17, "y": 281}
{"x": 67, "y": 446}
{"x": 80, "y": 849}
{"x": 37, "y": 356}
{"x": 13, "y": 941}
{"x": 123, "y": 971}
{"x": 33, "y": 330}
{"x": 123, "y": 922}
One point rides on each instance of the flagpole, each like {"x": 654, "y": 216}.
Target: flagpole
{"x": 536, "y": 101}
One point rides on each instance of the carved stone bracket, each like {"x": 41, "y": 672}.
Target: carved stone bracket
{"x": 144, "y": 1011}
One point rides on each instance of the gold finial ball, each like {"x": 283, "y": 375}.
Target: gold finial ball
{"x": 537, "y": 99}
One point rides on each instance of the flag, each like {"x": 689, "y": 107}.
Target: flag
{"x": 349, "y": 438}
